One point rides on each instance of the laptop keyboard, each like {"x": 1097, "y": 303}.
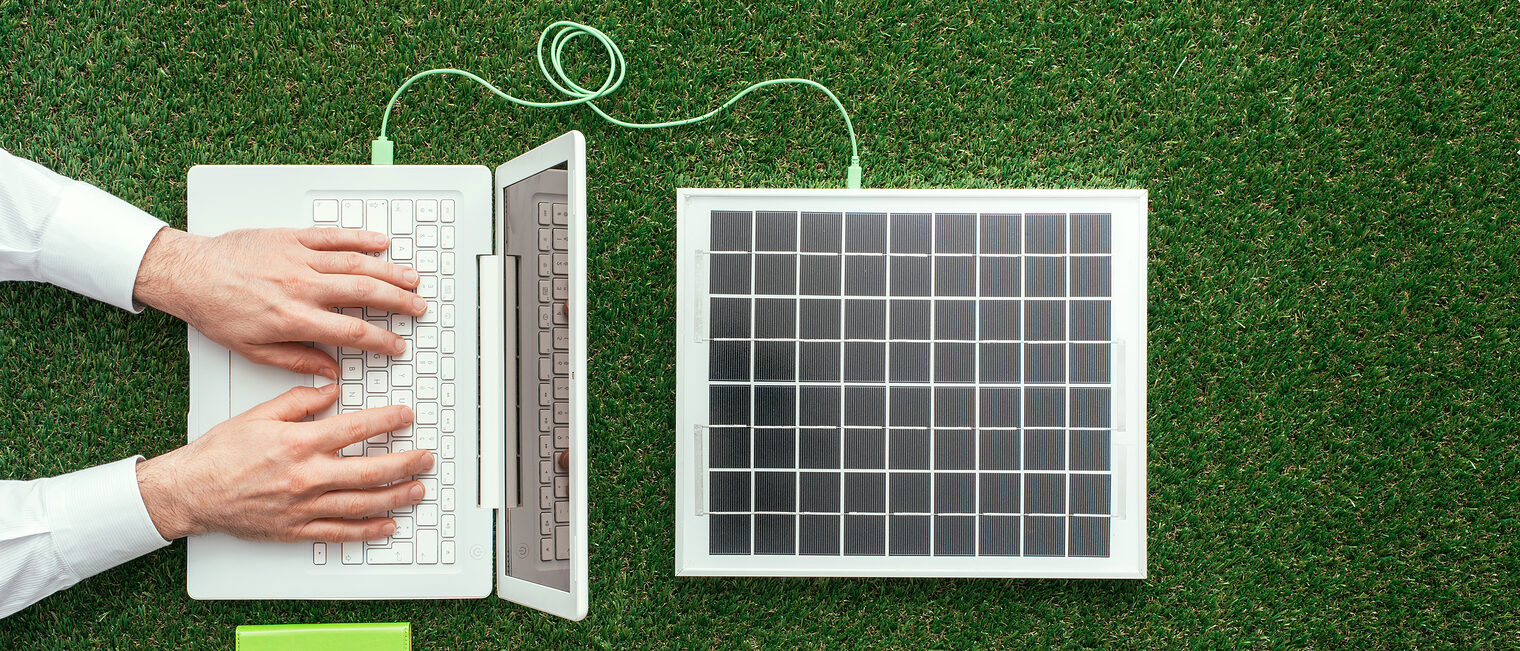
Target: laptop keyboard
{"x": 424, "y": 377}
{"x": 553, "y": 333}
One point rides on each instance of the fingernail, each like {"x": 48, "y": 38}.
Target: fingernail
{"x": 377, "y": 238}
{"x": 418, "y": 304}
{"x": 390, "y": 528}
{"x": 416, "y": 492}
{"x": 400, "y": 346}
{"x": 410, "y": 276}
{"x": 427, "y": 460}
{"x": 329, "y": 374}
{"x": 328, "y": 388}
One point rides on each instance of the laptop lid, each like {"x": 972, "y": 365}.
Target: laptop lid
{"x": 553, "y": 173}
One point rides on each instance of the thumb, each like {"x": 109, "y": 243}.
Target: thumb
{"x": 297, "y": 403}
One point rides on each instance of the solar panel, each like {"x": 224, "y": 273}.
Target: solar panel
{"x": 911, "y": 383}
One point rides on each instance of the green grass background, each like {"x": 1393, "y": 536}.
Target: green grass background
{"x": 1333, "y": 285}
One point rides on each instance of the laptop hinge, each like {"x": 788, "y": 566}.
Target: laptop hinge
{"x": 496, "y": 429}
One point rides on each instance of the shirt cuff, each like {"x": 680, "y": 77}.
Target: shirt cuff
{"x": 95, "y": 244}
{"x": 98, "y": 518}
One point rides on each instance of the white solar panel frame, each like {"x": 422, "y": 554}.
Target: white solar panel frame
{"x": 1127, "y": 557}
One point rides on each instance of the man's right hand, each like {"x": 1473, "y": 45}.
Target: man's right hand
{"x": 264, "y": 475}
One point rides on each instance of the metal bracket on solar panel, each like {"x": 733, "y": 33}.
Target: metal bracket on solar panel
{"x": 698, "y": 436}
{"x": 1117, "y": 377}
{"x": 700, "y": 276}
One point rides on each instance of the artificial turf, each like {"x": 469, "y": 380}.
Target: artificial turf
{"x": 1333, "y": 287}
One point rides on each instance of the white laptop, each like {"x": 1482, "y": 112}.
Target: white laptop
{"x": 495, "y": 373}
{"x": 911, "y": 383}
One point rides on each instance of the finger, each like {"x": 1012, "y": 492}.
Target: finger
{"x": 341, "y": 330}
{"x": 294, "y": 357}
{"x": 345, "y": 429}
{"x": 334, "y": 531}
{"x": 564, "y": 460}
{"x": 369, "y": 472}
{"x": 358, "y": 264}
{"x": 364, "y": 291}
{"x": 297, "y": 403}
{"x": 342, "y": 239}
{"x": 355, "y": 504}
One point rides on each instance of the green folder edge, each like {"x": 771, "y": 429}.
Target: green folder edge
{"x": 395, "y": 636}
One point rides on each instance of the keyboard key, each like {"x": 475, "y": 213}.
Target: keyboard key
{"x": 427, "y": 438}
{"x": 402, "y": 397}
{"x": 401, "y": 375}
{"x": 446, "y": 502}
{"x": 561, "y": 437}
{"x": 427, "y": 210}
{"x": 561, "y": 214}
{"x": 401, "y": 217}
{"x": 352, "y": 450}
{"x": 427, "y": 262}
{"x": 545, "y": 239}
{"x": 427, "y": 388}
{"x": 561, "y": 338}
{"x": 545, "y": 394}
{"x": 546, "y": 549}
{"x": 427, "y": 337}
{"x": 562, "y": 363}
{"x": 561, "y": 239}
{"x": 561, "y": 388}
{"x": 427, "y": 363}
{"x": 545, "y": 523}
{"x": 351, "y": 213}
{"x": 353, "y": 553}
{"x": 447, "y": 342}
{"x": 447, "y": 267}
{"x": 448, "y": 368}
{"x": 545, "y": 217}
{"x": 446, "y": 237}
{"x": 447, "y": 211}
{"x": 427, "y": 286}
{"x": 447, "y": 474}
{"x": 377, "y": 214}
{"x": 545, "y": 471}
{"x": 427, "y": 547}
{"x": 561, "y": 289}
{"x": 376, "y": 402}
{"x": 319, "y": 550}
{"x": 446, "y": 289}
{"x": 402, "y": 446}
{"x": 446, "y": 316}
{"x": 427, "y": 413}
{"x": 446, "y": 421}
{"x": 403, "y": 325}
{"x": 403, "y": 528}
{"x": 447, "y": 553}
{"x": 544, "y": 265}
{"x": 448, "y": 394}
{"x": 401, "y": 248}
{"x": 562, "y": 543}
{"x": 545, "y": 420}
{"x": 446, "y": 526}
{"x": 545, "y": 446}
{"x": 545, "y": 497}
{"x": 324, "y": 210}
{"x": 545, "y": 369}
{"x": 545, "y": 292}
{"x": 561, "y": 511}
{"x": 561, "y": 413}
{"x": 353, "y": 368}
{"x": 376, "y": 382}
{"x": 431, "y": 315}
{"x": 427, "y": 237}
{"x": 353, "y": 395}
{"x": 427, "y": 515}
{"x": 545, "y": 320}
{"x": 429, "y": 488}
{"x": 446, "y": 447}
{"x": 562, "y": 487}
{"x": 397, "y": 554}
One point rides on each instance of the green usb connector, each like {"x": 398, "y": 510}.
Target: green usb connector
{"x": 382, "y": 151}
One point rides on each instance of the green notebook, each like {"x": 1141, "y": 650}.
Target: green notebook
{"x": 325, "y": 637}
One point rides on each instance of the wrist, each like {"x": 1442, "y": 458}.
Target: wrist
{"x": 171, "y": 515}
{"x": 156, "y": 284}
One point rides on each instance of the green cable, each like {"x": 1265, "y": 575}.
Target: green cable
{"x": 564, "y": 32}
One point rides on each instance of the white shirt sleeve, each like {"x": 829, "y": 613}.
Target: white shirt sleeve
{"x": 70, "y": 233}
{"x": 58, "y": 531}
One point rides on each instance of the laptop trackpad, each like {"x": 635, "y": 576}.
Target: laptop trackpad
{"x": 255, "y": 383}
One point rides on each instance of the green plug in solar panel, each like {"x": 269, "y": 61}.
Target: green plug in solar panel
{"x": 911, "y": 383}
